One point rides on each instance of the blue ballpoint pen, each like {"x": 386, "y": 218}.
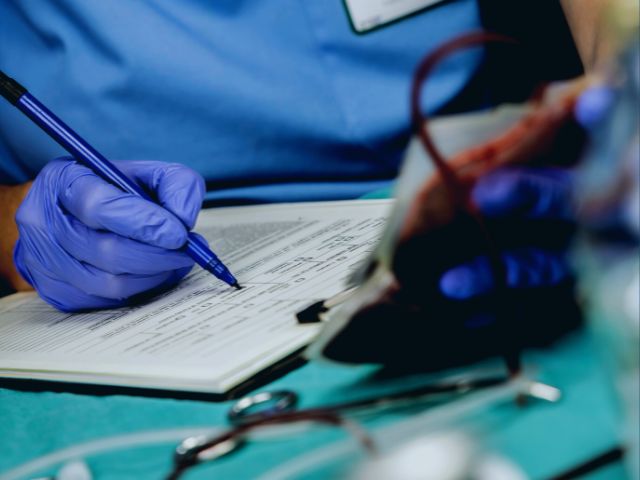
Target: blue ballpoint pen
{"x": 84, "y": 153}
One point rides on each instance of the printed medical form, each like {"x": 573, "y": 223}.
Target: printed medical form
{"x": 203, "y": 335}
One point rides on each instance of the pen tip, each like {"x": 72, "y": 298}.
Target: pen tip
{"x": 237, "y": 286}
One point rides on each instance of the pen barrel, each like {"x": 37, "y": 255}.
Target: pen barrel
{"x": 76, "y": 146}
{"x": 200, "y": 252}
{"x": 10, "y": 89}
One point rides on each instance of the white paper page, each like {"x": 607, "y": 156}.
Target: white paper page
{"x": 286, "y": 256}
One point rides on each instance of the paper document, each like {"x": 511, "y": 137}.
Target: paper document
{"x": 204, "y": 335}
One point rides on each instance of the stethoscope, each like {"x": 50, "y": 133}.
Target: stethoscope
{"x": 200, "y": 445}
{"x": 280, "y": 407}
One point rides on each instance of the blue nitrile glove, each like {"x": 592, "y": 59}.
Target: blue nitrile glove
{"x": 593, "y": 105}
{"x": 85, "y": 244}
{"x": 523, "y": 194}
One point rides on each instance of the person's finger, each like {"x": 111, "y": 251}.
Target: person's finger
{"x": 102, "y": 206}
{"x": 58, "y": 293}
{"x": 175, "y": 277}
{"x": 94, "y": 281}
{"x": 54, "y": 261}
{"x": 526, "y": 192}
{"x": 113, "y": 253}
{"x": 525, "y": 268}
{"x": 172, "y": 280}
{"x": 178, "y": 188}
{"x": 70, "y": 298}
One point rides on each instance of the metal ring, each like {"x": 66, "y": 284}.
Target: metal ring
{"x": 272, "y": 403}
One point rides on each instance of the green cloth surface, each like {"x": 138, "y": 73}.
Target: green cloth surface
{"x": 541, "y": 438}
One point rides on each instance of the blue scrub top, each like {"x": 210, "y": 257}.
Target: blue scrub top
{"x": 270, "y": 100}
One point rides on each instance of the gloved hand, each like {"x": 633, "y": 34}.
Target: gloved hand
{"x": 442, "y": 311}
{"x": 513, "y": 195}
{"x": 85, "y": 244}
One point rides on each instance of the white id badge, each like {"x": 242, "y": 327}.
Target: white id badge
{"x": 366, "y": 15}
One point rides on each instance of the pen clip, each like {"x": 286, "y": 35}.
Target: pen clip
{"x": 313, "y": 313}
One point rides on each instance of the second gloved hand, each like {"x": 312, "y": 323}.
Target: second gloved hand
{"x": 530, "y": 203}
{"x": 443, "y": 310}
{"x": 85, "y": 244}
